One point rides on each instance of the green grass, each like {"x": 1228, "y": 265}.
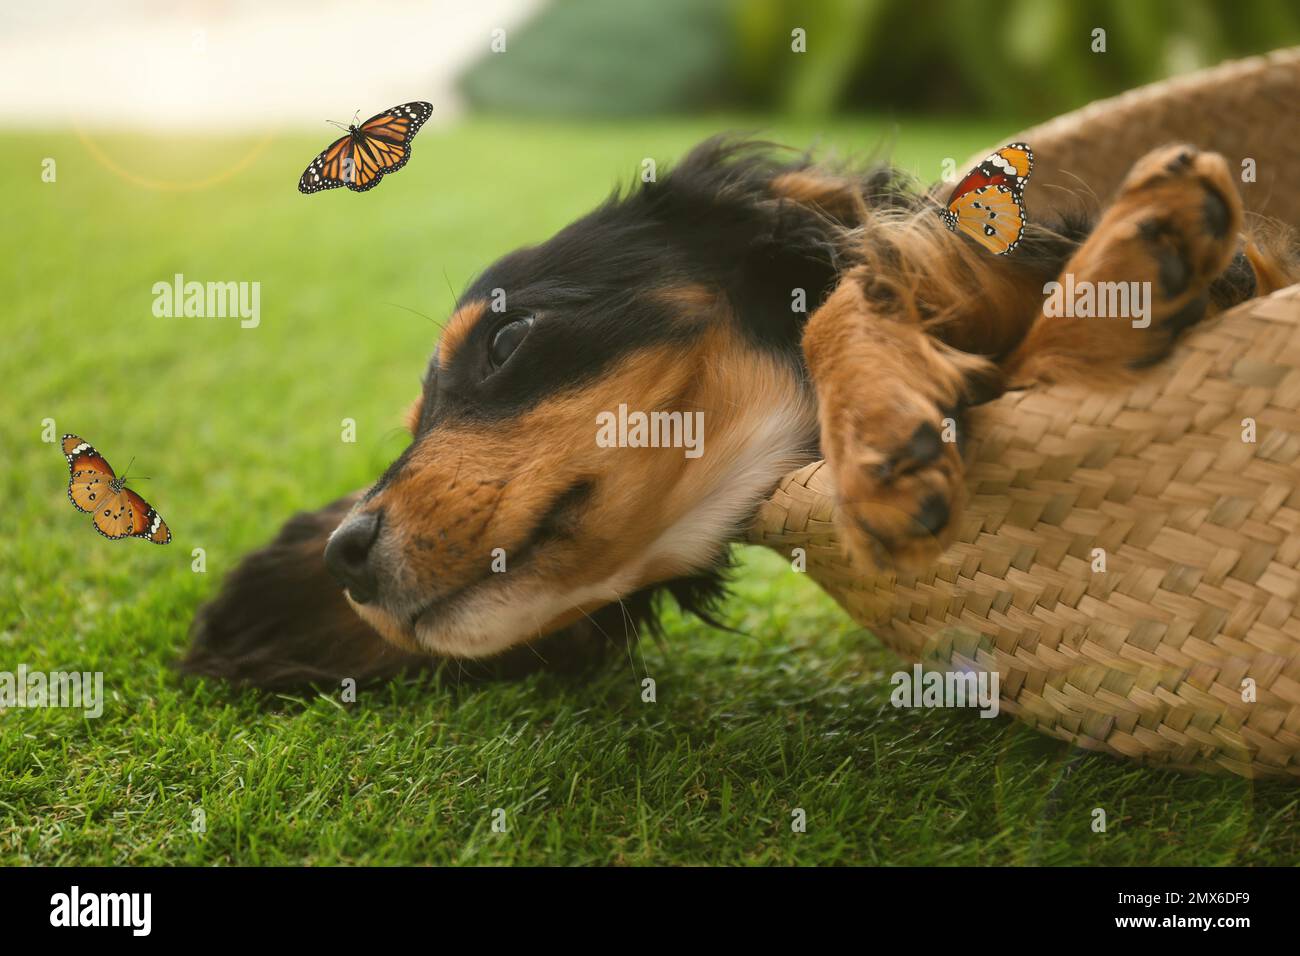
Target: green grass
{"x": 238, "y": 428}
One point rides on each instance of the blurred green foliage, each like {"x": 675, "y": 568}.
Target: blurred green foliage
{"x": 1012, "y": 58}
{"x": 581, "y": 58}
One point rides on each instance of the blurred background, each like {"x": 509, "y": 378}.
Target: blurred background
{"x": 1001, "y": 58}
{"x": 213, "y": 63}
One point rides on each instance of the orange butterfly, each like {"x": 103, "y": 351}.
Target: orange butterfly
{"x": 987, "y": 204}
{"x": 94, "y": 486}
{"x": 382, "y": 144}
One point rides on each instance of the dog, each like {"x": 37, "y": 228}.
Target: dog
{"x": 801, "y": 311}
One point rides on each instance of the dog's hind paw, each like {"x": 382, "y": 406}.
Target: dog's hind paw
{"x": 1162, "y": 257}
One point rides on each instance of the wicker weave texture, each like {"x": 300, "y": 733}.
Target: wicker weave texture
{"x": 1185, "y": 649}
{"x": 1198, "y": 528}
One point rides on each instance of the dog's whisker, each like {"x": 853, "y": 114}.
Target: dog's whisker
{"x": 636, "y": 634}
{"x": 407, "y": 308}
{"x": 455, "y": 299}
{"x": 1083, "y": 187}
{"x": 627, "y": 640}
{"x": 603, "y": 633}
{"x": 533, "y": 649}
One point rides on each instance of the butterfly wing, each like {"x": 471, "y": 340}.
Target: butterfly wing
{"x": 89, "y": 473}
{"x": 382, "y": 144}
{"x": 1009, "y": 166}
{"x": 124, "y": 514}
{"x": 145, "y": 522}
{"x": 385, "y": 143}
{"x": 330, "y": 169}
{"x": 374, "y": 157}
{"x": 118, "y": 513}
{"x": 400, "y": 124}
{"x": 993, "y": 216}
{"x": 113, "y": 516}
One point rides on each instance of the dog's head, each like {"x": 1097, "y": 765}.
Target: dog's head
{"x": 603, "y": 411}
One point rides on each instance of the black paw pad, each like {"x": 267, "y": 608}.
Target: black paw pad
{"x": 924, "y": 446}
{"x": 1181, "y": 162}
{"x": 1216, "y": 214}
{"x": 934, "y": 514}
{"x": 1174, "y": 271}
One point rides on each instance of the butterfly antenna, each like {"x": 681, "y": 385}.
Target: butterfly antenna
{"x": 336, "y": 123}
{"x": 128, "y": 469}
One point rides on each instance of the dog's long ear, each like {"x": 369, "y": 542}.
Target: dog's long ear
{"x": 281, "y": 621}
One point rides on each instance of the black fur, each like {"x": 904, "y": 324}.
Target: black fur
{"x": 713, "y": 221}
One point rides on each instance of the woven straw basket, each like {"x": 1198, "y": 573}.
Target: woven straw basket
{"x": 1154, "y": 657}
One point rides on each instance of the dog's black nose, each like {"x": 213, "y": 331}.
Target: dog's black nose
{"x": 348, "y": 555}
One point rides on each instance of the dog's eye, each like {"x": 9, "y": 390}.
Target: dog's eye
{"x": 507, "y": 339}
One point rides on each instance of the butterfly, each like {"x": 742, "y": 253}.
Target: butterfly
{"x": 382, "y": 144}
{"x": 987, "y": 203}
{"x": 94, "y": 486}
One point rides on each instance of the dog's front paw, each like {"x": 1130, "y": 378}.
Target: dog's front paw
{"x": 895, "y": 448}
{"x": 896, "y": 498}
{"x": 890, "y": 398}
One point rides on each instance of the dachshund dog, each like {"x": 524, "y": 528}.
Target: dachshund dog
{"x": 794, "y": 311}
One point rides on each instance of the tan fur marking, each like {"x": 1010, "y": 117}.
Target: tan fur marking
{"x": 653, "y": 513}
{"x": 411, "y": 417}
{"x": 457, "y": 328}
{"x": 695, "y": 302}
{"x": 837, "y": 196}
